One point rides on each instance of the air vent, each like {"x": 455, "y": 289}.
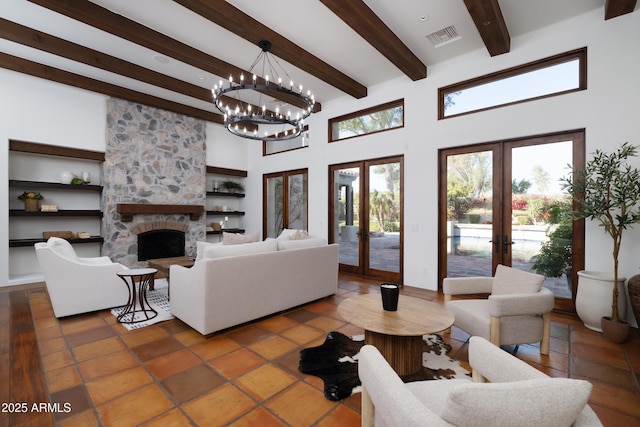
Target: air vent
{"x": 444, "y": 36}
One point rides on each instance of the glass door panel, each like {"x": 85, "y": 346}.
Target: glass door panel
{"x": 297, "y": 201}
{"x": 384, "y": 217}
{"x": 285, "y": 201}
{"x": 346, "y": 216}
{"x": 274, "y": 206}
{"x": 366, "y": 201}
{"x": 541, "y": 226}
{"x": 470, "y": 238}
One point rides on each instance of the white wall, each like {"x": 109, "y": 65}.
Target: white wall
{"x": 608, "y": 110}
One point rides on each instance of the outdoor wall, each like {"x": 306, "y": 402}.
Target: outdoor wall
{"x": 607, "y": 110}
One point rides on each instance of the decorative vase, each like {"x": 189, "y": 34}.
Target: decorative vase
{"x": 633, "y": 286}
{"x": 593, "y": 301}
{"x": 616, "y": 332}
{"x": 31, "y": 205}
{"x": 66, "y": 177}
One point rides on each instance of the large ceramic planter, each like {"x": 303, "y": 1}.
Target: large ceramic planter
{"x": 593, "y": 300}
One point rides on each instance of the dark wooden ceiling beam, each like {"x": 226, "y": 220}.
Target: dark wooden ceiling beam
{"x": 103, "y": 19}
{"x": 487, "y": 17}
{"x": 233, "y": 19}
{"x": 66, "y": 49}
{"x": 36, "y": 69}
{"x": 33, "y": 38}
{"x": 357, "y": 15}
{"x": 614, "y": 8}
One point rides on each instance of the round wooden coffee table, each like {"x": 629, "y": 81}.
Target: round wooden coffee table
{"x": 397, "y": 334}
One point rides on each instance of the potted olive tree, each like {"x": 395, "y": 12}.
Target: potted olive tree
{"x": 608, "y": 191}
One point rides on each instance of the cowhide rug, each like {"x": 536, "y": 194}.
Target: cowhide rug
{"x": 336, "y": 362}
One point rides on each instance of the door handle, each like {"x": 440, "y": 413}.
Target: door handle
{"x": 507, "y": 243}
{"x": 496, "y": 243}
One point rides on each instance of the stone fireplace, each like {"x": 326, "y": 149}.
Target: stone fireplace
{"x": 154, "y": 158}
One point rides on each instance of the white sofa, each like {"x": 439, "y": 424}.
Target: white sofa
{"x": 76, "y": 284}
{"x": 228, "y": 285}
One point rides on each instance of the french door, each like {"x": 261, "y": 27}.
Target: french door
{"x": 365, "y": 205}
{"x": 501, "y": 203}
{"x": 284, "y": 201}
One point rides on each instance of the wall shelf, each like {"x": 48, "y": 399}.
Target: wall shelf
{"x": 225, "y": 213}
{"x": 15, "y": 183}
{"x": 229, "y": 200}
{"x": 226, "y": 230}
{"x": 18, "y": 243}
{"x": 224, "y": 194}
{"x": 226, "y": 171}
{"x": 60, "y": 213}
{"x": 28, "y": 226}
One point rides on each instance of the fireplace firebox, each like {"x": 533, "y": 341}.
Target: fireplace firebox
{"x": 160, "y": 244}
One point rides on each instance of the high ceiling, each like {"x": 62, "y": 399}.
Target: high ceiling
{"x": 168, "y": 53}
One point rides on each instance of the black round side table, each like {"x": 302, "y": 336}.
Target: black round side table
{"x": 138, "y": 308}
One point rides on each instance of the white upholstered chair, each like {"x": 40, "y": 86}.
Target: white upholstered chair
{"x": 76, "y": 284}
{"x": 517, "y": 395}
{"x": 518, "y": 310}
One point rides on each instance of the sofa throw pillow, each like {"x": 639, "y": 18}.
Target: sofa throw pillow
{"x": 544, "y": 402}
{"x": 286, "y": 234}
{"x": 509, "y": 280}
{"x": 200, "y": 247}
{"x": 238, "y": 239}
{"x": 62, "y": 247}
{"x": 222, "y": 251}
{"x": 284, "y": 245}
{"x": 299, "y": 235}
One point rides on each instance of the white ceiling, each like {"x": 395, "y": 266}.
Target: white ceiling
{"x": 308, "y": 23}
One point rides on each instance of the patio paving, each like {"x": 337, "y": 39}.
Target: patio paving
{"x": 384, "y": 252}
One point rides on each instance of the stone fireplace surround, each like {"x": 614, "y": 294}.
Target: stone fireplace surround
{"x": 152, "y": 157}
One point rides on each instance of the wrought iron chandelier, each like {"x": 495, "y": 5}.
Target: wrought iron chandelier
{"x": 243, "y": 107}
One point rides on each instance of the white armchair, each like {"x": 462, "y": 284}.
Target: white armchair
{"x": 76, "y": 284}
{"x": 518, "y": 311}
{"x": 518, "y": 394}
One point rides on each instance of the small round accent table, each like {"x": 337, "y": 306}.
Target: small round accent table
{"x": 397, "y": 334}
{"x": 138, "y": 308}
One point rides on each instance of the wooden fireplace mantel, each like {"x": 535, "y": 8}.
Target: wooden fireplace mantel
{"x": 128, "y": 210}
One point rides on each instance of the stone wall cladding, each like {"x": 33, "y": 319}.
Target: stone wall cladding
{"x": 152, "y": 156}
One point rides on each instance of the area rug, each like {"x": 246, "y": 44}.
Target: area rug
{"x": 336, "y": 363}
{"x": 159, "y": 301}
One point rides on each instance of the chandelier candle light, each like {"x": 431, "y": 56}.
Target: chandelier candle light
{"x": 238, "y": 112}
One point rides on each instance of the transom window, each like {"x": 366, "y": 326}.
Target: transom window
{"x": 371, "y": 120}
{"x": 274, "y": 147}
{"x": 555, "y": 75}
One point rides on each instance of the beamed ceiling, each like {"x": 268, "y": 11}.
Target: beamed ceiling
{"x": 168, "y": 53}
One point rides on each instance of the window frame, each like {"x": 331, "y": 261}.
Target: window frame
{"x": 381, "y": 107}
{"x": 579, "y": 54}
{"x": 264, "y": 145}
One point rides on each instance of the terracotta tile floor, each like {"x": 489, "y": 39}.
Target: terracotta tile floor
{"x": 168, "y": 374}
